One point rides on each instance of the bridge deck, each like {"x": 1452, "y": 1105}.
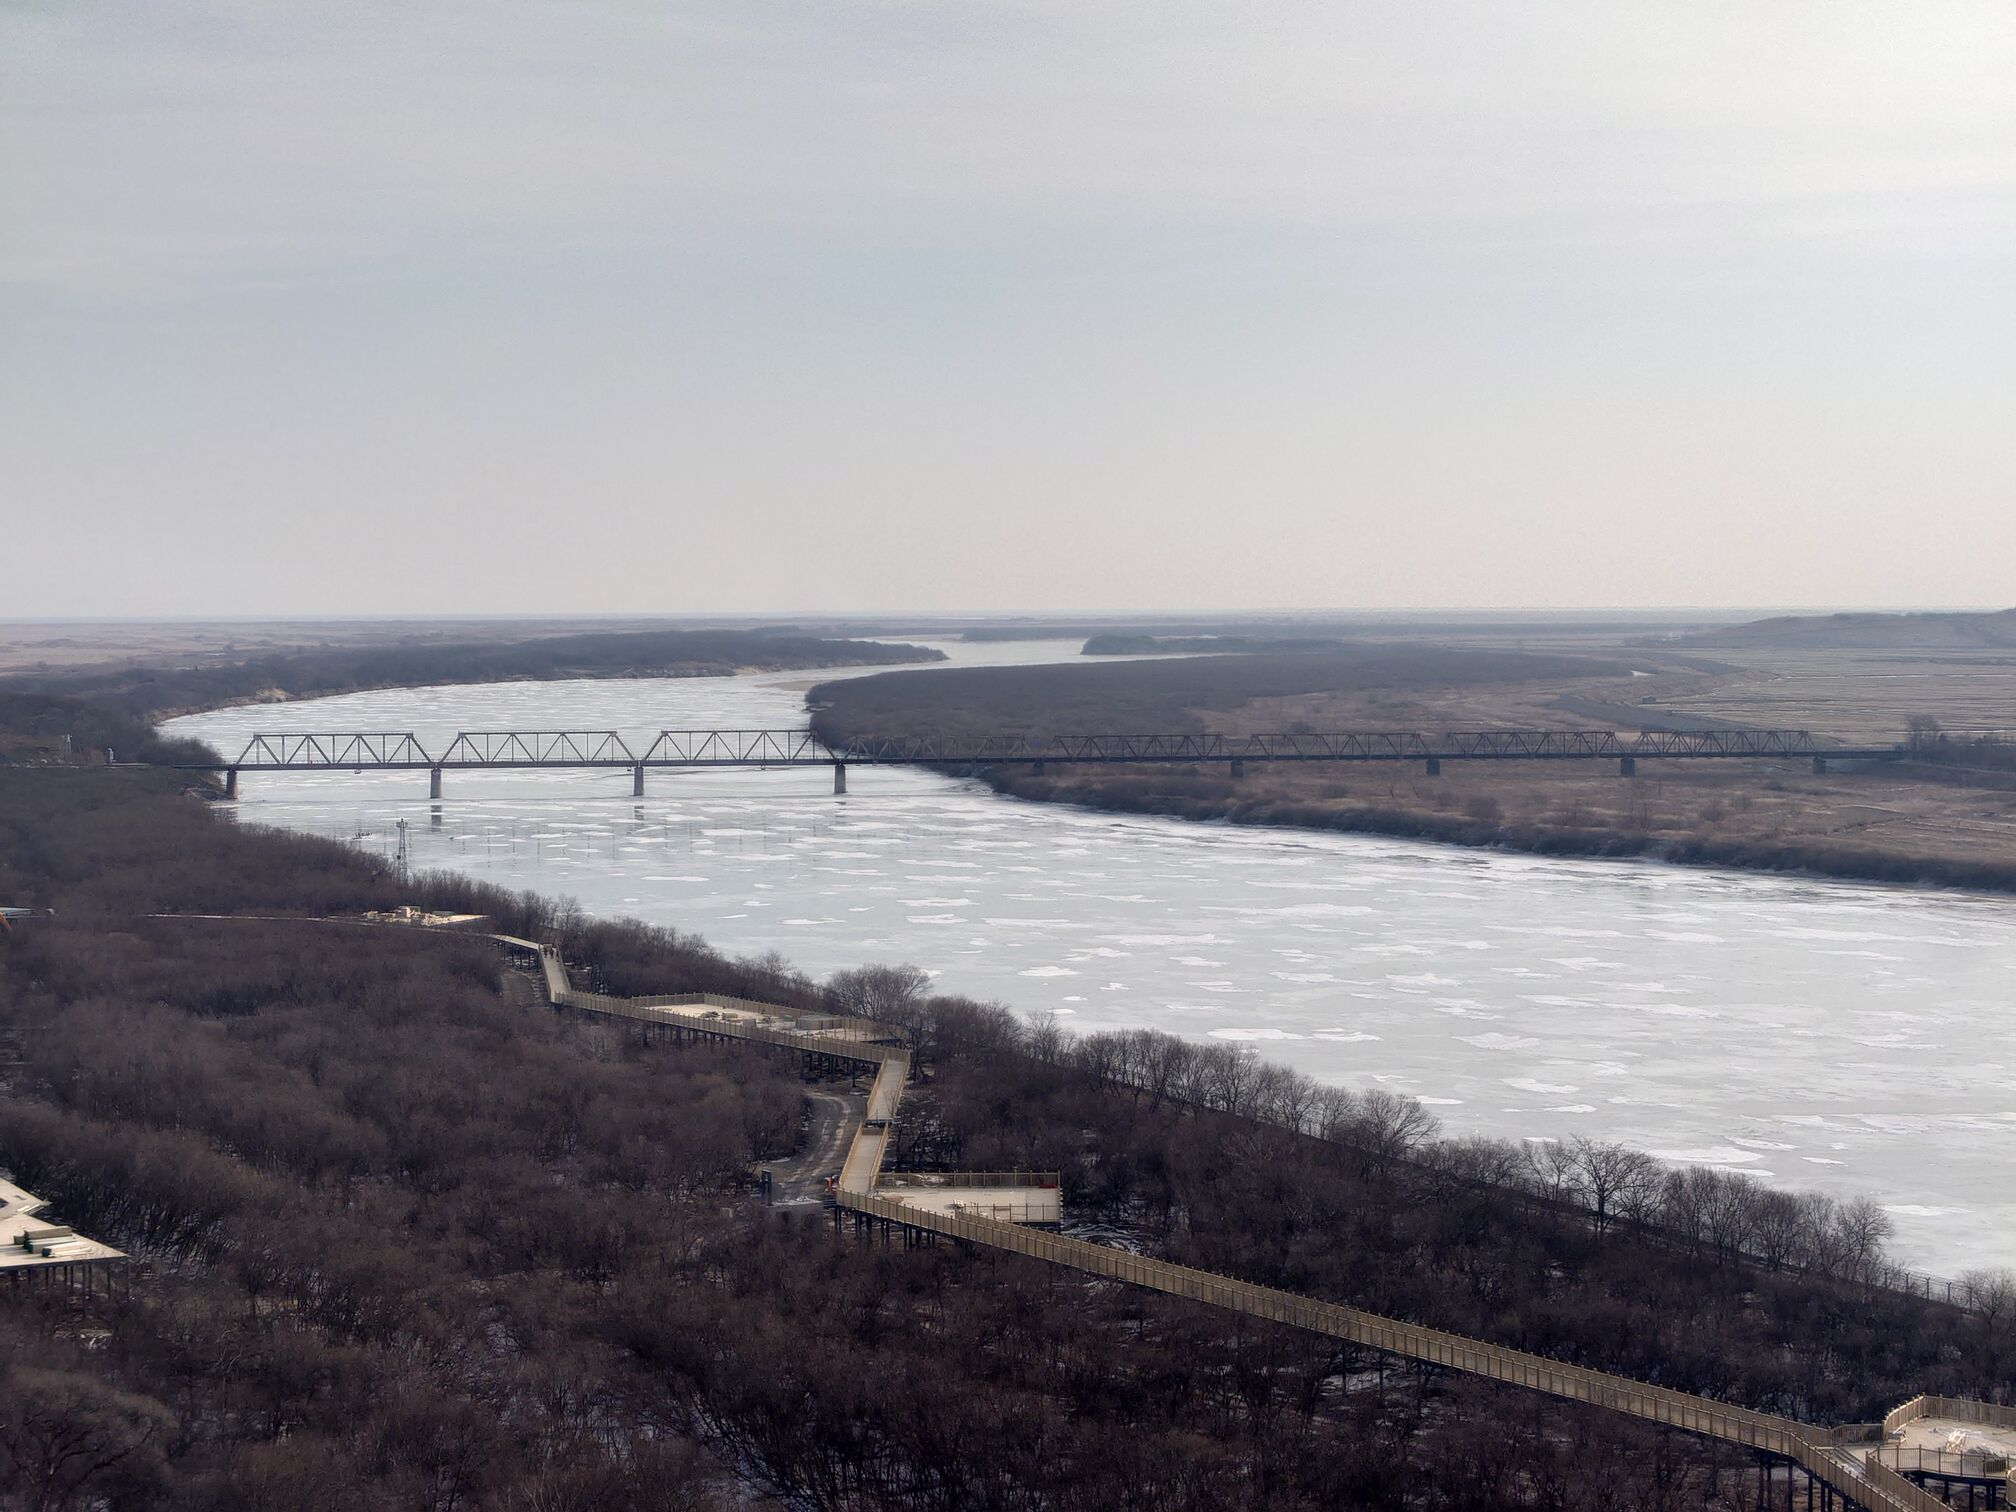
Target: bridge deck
{"x": 517, "y": 750}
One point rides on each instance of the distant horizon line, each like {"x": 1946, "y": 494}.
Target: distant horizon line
{"x": 1037, "y": 616}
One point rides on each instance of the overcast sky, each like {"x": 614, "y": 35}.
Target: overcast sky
{"x": 357, "y": 306}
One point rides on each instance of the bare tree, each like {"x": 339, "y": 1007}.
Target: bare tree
{"x": 1045, "y": 1038}
{"x": 1554, "y": 1170}
{"x": 63, "y": 1437}
{"x": 1391, "y": 1126}
{"x": 1614, "y": 1178}
{"x": 891, "y": 994}
{"x": 1862, "y": 1229}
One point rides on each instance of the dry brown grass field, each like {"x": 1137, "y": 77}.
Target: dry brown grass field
{"x": 1902, "y": 821}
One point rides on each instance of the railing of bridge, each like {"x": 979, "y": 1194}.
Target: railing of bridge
{"x": 1955, "y": 1409}
{"x": 1968, "y": 1464}
{"x": 1044, "y": 1179}
{"x": 887, "y": 1091}
{"x": 1896, "y": 1491}
{"x": 756, "y": 1032}
{"x": 827, "y": 1026}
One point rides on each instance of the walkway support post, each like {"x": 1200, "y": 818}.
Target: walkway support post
{"x": 231, "y": 783}
{"x": 637, "y": 780}
{"x": 839, "y": 779}
{"x": 434, "y": 782}
{"x": 1627, "y": 766}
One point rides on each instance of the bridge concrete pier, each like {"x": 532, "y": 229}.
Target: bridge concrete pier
{"x": 1038, "y": 769}
{"x": 1434, "y": 766}
{"x": 839, "y": 779}
{"x": 434, "y": 782}
{"x": 1627, "y": 766}
{"x": 1238, "y": 769}
{"x": 1819, "y": 766}
{"x": 231, "y": 783}
{"x": 637, "y": 780}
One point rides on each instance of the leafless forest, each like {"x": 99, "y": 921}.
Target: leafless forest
{"x": 405, "y": 1238}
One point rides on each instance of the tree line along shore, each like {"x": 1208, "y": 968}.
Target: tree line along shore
{"x": 406, "y": 1238}
{"x": 153, "y": 691}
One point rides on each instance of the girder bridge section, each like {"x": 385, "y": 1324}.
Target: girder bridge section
{"x": 703, "y": 749}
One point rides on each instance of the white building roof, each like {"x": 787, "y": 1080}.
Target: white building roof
{"x": 28, "y": 1240}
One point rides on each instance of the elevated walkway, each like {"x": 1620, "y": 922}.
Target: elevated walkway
{"x": 1858, "y": 1466}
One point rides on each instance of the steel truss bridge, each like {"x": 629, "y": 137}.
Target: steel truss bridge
{"x": 511, "y": 750}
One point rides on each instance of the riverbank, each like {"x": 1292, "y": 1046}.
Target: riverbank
{"x": 1474, "y": 820}
{"x": 164, "y": 690}
{"x": 1945, "y": 825}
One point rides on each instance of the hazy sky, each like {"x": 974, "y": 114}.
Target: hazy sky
{"x": 544, "y": 305}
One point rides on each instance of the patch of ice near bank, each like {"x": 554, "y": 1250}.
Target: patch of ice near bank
{"x": 1710, "y": 1155}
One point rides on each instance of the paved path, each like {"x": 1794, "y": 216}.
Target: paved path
{"x": 802, "y": 1178}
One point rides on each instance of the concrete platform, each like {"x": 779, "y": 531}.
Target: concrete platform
{"x": 1938, "y": 1433}
{"x": 31, "y": 1242}
{"x": 957, "y": 1195}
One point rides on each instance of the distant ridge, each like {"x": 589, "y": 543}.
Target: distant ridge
{"x": 1945, "y": 629}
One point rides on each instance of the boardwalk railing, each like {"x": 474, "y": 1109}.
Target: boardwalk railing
{"x": 1044, "y": 1179}
{"x": 1764, "y": 1432}
{"x": 1955, "y": 1409}
{"x": 1969, "y": 1464}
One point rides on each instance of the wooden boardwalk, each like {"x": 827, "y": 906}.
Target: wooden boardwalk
{"x": 1836, "y": 1461}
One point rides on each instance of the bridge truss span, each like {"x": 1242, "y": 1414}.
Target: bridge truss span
{"x": 392, "y": 750}
{"x": 757, "y": 748}
{"x": 537, "y": 748}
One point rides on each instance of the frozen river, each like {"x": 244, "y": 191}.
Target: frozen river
{"x": 1846, "y": 1038}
